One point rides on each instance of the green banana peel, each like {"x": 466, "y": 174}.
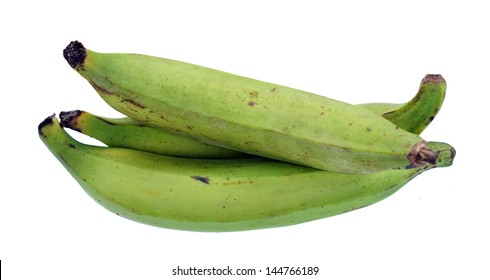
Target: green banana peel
{"x": 413, "y": 116}
{"x": 132, "y": 134}
{"x": 219, "y": 195}
{"x": 247, "y": 115}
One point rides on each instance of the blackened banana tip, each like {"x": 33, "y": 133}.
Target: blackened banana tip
{"x": 67, "y": 119}
{"x": 433, "y": 78}
{"x": 75, "y": 54}
{"x": 47, "y": 121}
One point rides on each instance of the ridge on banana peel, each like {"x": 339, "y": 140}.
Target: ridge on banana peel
{"x": 219, "y": 195}
{"x": 248, "y": 115}
{"x": 413, "y": 116}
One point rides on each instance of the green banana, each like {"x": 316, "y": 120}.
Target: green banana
{"x": 132, "y": 134}
{"x": 247, "y": 115}
{"x": 129, "y": 133}
{"x": 219, "y": 195}
{"x": 415, "y": 115}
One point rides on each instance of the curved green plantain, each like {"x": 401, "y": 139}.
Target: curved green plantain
{"x": 219, "y": 195}
{"x": 129, "y": 133}
{"x": 415, "y": 115}
{"x": 248, "y": 115}
{"x": 132, "y": 134}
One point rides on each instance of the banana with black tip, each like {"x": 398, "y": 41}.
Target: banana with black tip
{"x": 413, "y": 116}
{"x": 219, "y": 195}
{"x": 248, "y": 115}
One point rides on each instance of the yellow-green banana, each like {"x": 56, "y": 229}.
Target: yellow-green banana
{"x": 414, "y": 116}
{"x": 219, "y": 195}
{"x": 247, "y": 115}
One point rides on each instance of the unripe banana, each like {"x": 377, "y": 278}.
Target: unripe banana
{"x": 126, "y": 132}
{"x": 415, "y": 115}
{"x": 247, "y": 115}
{"x": 132, "y": 134}
{"x": 219, "y": 195}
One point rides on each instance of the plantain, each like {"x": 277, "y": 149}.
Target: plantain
{"x": 248, "y": 115}
{"x": 413, "y": 116}
{"x": 132, "y": 134}
{"x": 219, "y": 195}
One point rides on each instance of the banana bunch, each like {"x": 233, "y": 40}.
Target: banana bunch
{"x": 205, "y": 150}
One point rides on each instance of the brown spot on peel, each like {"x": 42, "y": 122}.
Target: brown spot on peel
{"x": 204, "y": 180}
{"x": 134, "y": 103}
{"x": 100, "y": 89}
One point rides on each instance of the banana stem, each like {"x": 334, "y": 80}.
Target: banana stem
{"x": 421, "y": 154}
{"x": 75, "y": 54}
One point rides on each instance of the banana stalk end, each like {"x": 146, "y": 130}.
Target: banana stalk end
{"x": 433, "y": 78}
{"x": 75, "y": 54}
{"x": 69, "y": 119}
{"x": 421, "y": 155}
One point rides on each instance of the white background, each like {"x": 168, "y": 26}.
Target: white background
{"x": 436, "y": 227}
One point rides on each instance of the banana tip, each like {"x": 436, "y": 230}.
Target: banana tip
{"x": 69, "y": 119}
{"x": 433, "y": 78}
{"x": 75, "y": 54}
{"x": 421, "y": 155}
{"x": 47, "y": 121}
